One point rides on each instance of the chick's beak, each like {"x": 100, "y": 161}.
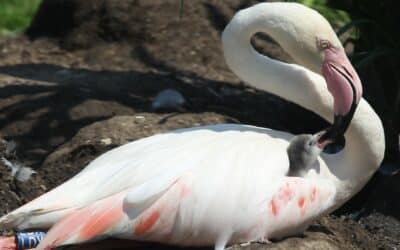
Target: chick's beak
{"x": 322, "y": 143}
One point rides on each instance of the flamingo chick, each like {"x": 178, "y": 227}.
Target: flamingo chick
{"x": 303, "y": 152}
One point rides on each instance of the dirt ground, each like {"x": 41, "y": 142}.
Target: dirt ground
{"x": 67, "y": 98}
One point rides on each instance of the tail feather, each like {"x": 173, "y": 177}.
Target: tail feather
{"x": 10, "y": 221}
{"x": 37, "y": 218}
{"x": 86, "y": 224}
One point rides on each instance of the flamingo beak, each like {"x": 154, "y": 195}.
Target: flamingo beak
{"x": 345, "y": 86}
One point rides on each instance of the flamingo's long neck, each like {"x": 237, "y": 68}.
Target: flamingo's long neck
{"x": 353, "y": 166}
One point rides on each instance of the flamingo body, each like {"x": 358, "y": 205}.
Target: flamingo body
{"x": 191, "y": 195}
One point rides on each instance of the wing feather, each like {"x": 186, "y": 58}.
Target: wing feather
{"x": 135, "y": 163}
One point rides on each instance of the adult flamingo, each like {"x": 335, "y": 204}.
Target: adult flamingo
{"x": 225, "y": 184}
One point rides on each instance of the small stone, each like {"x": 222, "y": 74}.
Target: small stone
{"x": 168, "y": 99}
{"x": 106, "y": 141}
{"x": 140, "y": 117}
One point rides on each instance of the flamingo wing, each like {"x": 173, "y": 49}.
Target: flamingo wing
{"x": 130, "y": 214}
{"x": 201, "y": 207}
{"x": 135, "y": 163}
{"x": 114, "y": 215}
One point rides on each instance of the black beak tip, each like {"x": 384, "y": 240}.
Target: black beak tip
{"x": 335, "y": 134}
{"x": 336, "y": 146}
{"x": 335, "y": 137}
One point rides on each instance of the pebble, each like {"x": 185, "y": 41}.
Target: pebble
{"x": 168, "y": 99}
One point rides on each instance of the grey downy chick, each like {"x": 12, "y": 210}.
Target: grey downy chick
{"x": 303, "y": 152}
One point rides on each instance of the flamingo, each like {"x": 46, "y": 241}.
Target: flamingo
{"x": 225, "y": 184}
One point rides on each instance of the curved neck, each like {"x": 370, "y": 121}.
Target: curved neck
{"x": 289, "y": 81}
{"x": 364, "y": 149}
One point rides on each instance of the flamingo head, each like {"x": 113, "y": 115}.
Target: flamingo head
{"x": 311, "y": 41}
{"x": 345, "y": 86}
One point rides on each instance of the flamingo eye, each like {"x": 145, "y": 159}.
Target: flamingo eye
{"x": 323, "y": 44}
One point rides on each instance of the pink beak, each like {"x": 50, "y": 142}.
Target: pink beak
{"x": 345, "y": 86}
{"x": 342, "y": 80}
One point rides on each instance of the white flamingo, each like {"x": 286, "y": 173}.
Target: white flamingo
{"x": 225, "y": 184}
